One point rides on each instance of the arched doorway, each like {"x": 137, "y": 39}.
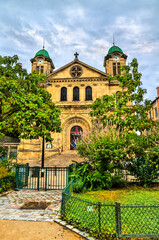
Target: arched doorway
{"x": 75, "y": 135}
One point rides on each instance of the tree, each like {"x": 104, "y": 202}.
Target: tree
{"x": 114, "y": 144}
{"x": 26, "y": 108}
{"x": 117, "y": 109}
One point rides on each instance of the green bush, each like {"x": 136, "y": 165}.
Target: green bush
{"x": 78, "y": 186}
{"x": 88, "y": 177}
{"x": 118, "y": 181}
{"x": 145, "y": 171}
{"x": 7, "y": 182}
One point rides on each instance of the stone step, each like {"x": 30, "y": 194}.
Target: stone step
{"x": 60, "y": 160}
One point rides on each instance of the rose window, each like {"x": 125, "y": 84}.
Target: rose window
{"x": 76, "y": 71}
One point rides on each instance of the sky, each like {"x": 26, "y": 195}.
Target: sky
{"x": 85, "y": 26}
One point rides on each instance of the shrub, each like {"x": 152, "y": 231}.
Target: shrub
{"x": 88, "y": 177}
{"x": 145, "y": 170}
{"x": 7, "y": 182}
{"x": 7, "y": 178}
{"x": 78, "y": 186}
{"x": 3, "y": 171}
{"x": 118, "y": 181}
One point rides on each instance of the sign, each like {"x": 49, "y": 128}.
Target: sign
{"x": 90, "y": 208}
{"x": 49, "y": 145}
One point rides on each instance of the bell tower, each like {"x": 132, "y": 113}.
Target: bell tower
{"x": 113, "y": 60}
{"x": 42, "y": 62}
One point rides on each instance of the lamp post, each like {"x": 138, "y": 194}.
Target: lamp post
{"x": 43, "y": 141}
{"x": 43, "y": 152}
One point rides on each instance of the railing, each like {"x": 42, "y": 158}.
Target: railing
{"x": 37, "y": 178}
{"x": 104, "y": 220}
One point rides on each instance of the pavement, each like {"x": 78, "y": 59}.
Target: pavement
{"x": 10, "y": 209}
{"x": 11, "y": 202}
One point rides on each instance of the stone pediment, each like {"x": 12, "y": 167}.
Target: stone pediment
{"x": 76, "y": 70}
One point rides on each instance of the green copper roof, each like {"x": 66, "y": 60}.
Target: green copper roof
{"x": 42, "y": 52}
{"x": 115, "y": 49}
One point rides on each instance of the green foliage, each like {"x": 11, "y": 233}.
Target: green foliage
{"x": 78, "y": 185}
{"x": 3, "y": 152}
{"x": 104, "y": 150}
{"x": 117, "y": 109}
{"x": 26, "y": 108}
{"x": 146, "y": 168}
{"x": 144, "y": 161}
{"x": 7, "y": 182}
{"x": 8, "y": 164}
{"x": 118, "y": 180}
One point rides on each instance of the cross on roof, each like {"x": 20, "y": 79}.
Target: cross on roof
{"x": 76, "y": 55}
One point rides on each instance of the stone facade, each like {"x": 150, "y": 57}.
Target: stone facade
{"x": 154, "y": 112}
{"x": 73, "y": 87}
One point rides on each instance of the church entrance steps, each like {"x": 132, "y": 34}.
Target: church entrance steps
{"x": 63, "y": 159}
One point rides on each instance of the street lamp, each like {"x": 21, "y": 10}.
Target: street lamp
{"x": 43, "y": 141}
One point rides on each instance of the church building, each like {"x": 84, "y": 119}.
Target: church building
{"x": 73, "y": 87}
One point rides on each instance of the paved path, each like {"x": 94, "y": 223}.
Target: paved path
{"x": 11, "y": 203}
{"x": 26, "y": 230}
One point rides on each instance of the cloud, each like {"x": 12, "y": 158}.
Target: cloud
{"x": 86, "y": 27}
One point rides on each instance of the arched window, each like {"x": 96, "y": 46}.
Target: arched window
{"x": 75, "y": 94}
{"x": 63, "y": 94}
{"x": 88, "y": 93}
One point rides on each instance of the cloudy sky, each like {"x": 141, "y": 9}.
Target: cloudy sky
{"x": 86, "y": 27}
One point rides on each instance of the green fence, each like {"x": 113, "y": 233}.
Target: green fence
{"x": 103, "y": 220}
{"x": 37, "y": 178}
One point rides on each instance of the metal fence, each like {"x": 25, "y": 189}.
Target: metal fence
{"x": 105, "y": 220}
{"x": 37, "y": 178}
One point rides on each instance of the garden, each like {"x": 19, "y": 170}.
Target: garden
{"x": 106, "y": 214}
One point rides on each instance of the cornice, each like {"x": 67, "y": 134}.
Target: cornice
{"x": 73, "y": 106}
{"x": 90, "y": 79}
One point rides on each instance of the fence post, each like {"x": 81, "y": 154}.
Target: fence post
{"x": 38, "y": 178}
{"x": 16, "y": 177}
{"x": 99, "y": 216}
{"x": 45, "y": 179}
{"x": 68, "y": 179}
{"x": 26, "y": 174}
{"x": 118, "y": 219}
{"x": 63, "y": 204}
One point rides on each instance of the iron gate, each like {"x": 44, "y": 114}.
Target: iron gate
{"x": 37, "y": 178}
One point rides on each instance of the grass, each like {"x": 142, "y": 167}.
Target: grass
{"x": 126, "y": 196}
{"x": 138, "y": 212}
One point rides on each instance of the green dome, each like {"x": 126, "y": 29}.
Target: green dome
{"x": 42, "y": 52}
{"x": 115, "y": 49}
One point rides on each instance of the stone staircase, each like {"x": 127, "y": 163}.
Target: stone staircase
{"x": 63, "y": 159}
